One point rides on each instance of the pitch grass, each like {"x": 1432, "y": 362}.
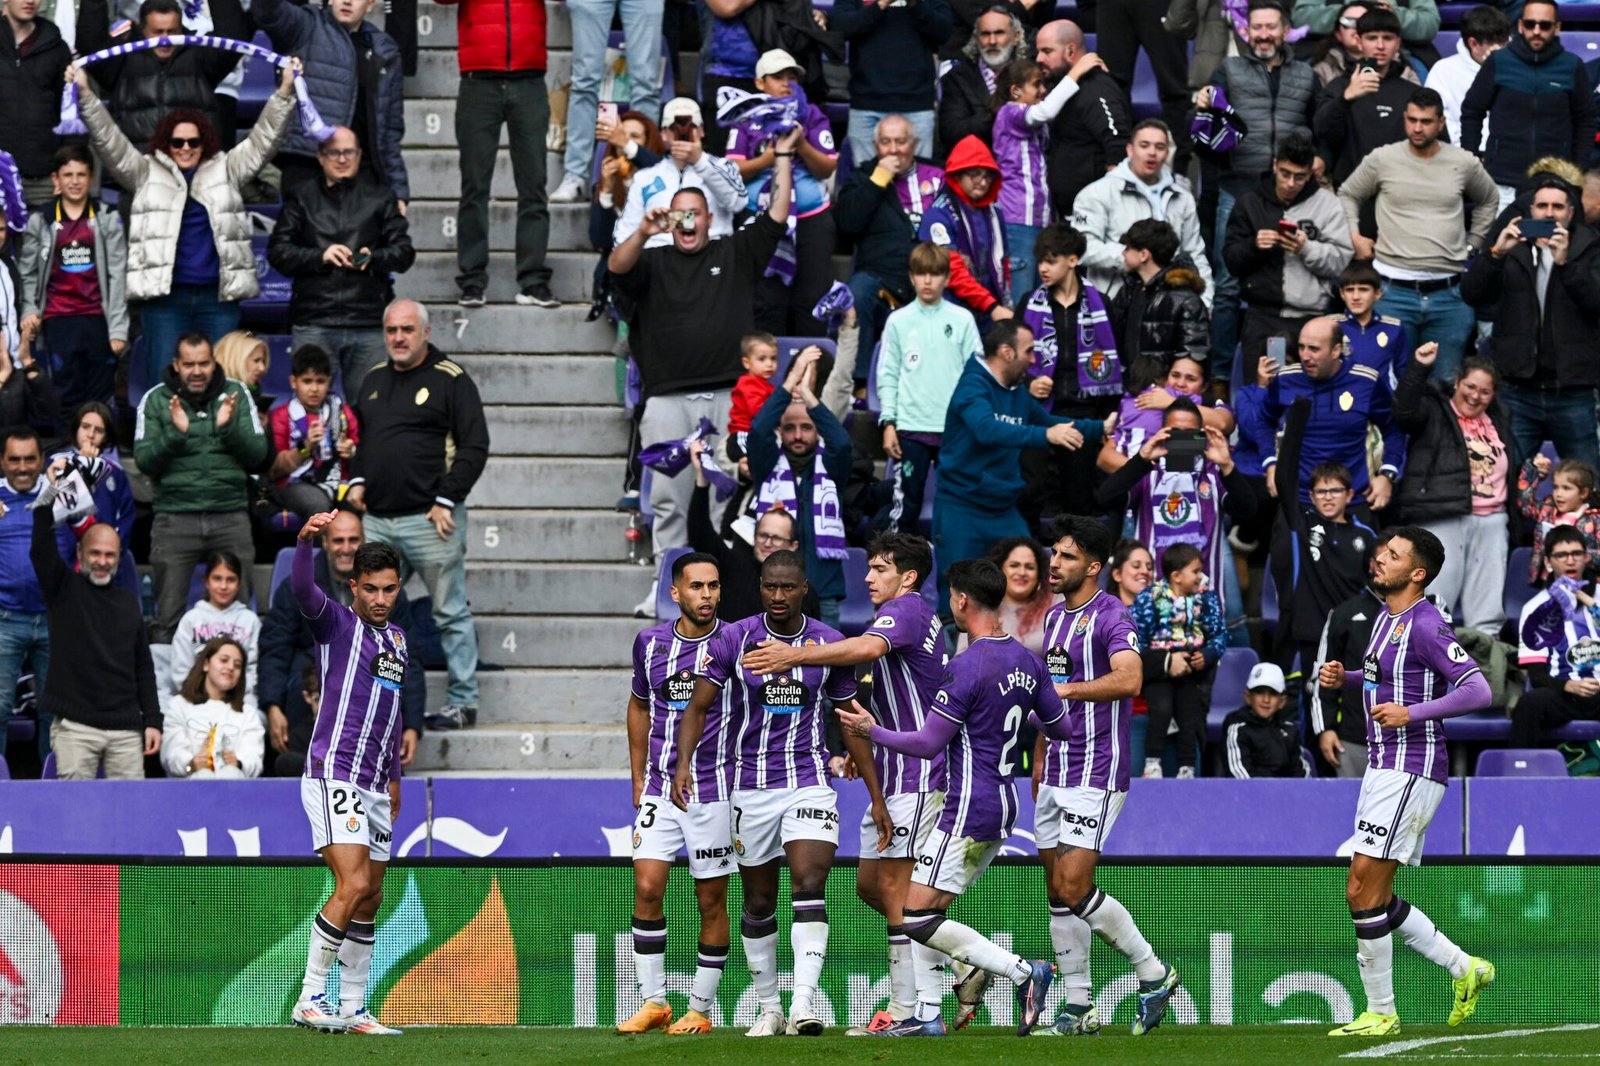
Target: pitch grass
{"x": 1235, "y": 1046}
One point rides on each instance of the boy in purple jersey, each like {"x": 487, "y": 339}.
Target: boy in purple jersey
{"x": 1080, "y": 783}
{"x": 985, "y": 694}
{"x": 665, "y": 658}
{"x": 782, "y": 805}
{"x": 906, "y": 644}
{"x": 1412, "y": 658}
{"x": 351, "y": 787}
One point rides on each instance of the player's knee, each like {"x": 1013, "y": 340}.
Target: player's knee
{"x": 1073, "y": 890}
{"x": 713, "y": 901}
{"x": 648, "y": 896}
{"x": 353, "y": 888}
{"x": 759, "y": 905}
{"x": 920, "y": 925}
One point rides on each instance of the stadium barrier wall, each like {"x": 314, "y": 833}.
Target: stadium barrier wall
{"x": 223, "y": 942}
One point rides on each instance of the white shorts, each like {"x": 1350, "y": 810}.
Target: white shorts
{"x": 764, "y": 820}
{"x": 660, "y": 829}
{"x": 341, "y": 813}
{"x": 952, "y": 864}
{"x": 1393, "y": 814}
{"x": 1076, "y": 817}
{"x": 914, "y": 815}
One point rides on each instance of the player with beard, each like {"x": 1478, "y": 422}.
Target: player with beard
{"x": 1413, "y": 676}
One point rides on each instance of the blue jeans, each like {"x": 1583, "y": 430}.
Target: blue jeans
{"x": 1024, "y": 268}
{"x": 353, "y": 352}
{"x": 591, "y": 27}
{"x": 1224, "y": 295}
{"x": 24, "y": 648}
{"x": 442, "y": 565}
{"x": 829, "y": 612}
{"x": 964, "y": 532}
{"x": 1564, "y": 417}
{"x": 863, "y": 124}
{"x": 185, "y": 308}
{"x": 1441, "y": 316}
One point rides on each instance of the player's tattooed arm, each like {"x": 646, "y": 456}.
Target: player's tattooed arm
{"x": 690, "y": 728}
{"x": 1125, "y": 680}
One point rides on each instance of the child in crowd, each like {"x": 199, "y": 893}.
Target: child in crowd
{"x": 219, "y": 614}
{"x": 313, "y": 437}
{"x": 1374, "y": 340}
{"x": 113, "y": 497}
{"x": 1154, "y": 386}
{"x": 1570, "y": 503}
{"x": 208, "y": 731}
{"x": 966, "y": 219}
{"x": 1262, "y": 738}
{"x": 1160, "y": 311}
{"x": 1183, "y": 633}
{"x": 926, "y": 345}
{"x": 758, "y": 354}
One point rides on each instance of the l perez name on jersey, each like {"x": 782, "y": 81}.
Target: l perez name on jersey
{"x": 1017, "y": 679}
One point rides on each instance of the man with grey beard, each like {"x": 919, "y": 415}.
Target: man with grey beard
{"x": 101, "y": 690}
{"x": 966, "y": 88}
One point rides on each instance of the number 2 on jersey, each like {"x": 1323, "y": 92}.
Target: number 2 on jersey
{"x": 1008, "y": 754}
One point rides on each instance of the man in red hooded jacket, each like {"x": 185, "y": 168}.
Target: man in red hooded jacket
{"x": 965, "y": 219}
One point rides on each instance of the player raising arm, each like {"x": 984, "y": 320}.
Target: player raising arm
{"x": 1412, "y": 658}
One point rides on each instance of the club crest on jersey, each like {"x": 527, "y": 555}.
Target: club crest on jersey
{"x": 783, "y": 695}
{"x": 1175, "y": 509}
{"x": 399, "y": 640}
{"x": 738, "y": 847}
{"x": 679, "y": 687}
{"x": 1399, "y": 633}
{"x": 1204, "y": 490}
{"x": 353, "y": 824}
{"x": 1059, "y": 662}
{"x": 1082, "y": 625}
{"x": 637, "y": 840}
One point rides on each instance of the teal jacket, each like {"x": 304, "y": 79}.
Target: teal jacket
{"x": 208, "y": 468}
{"x": 924, "y": 351}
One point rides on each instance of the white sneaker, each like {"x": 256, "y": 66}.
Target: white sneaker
{"x": 646, "y": 608}
{"x": 317, "y": 1013}
{"x": 1185, "y": 773}
{"x": 803, "y": 1023}
{"x": 770, "y": 1023}
{"x": 1152, "y": 768}
{"x": 570, "y": 191}
{"x": 364, "y": 1023}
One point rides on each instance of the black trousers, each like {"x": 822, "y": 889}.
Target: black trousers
{"x": 81, "y": 360}
{"x": 1125, "y": 26}
{"x": 1183, "y": 699}
{"x": 1545, "y": 708}
{"x": 785, "y": 310}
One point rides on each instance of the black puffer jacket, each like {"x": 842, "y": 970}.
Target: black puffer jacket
{"x": 1438, "y": 480}
{"x": 1571, "y": 319}
{"x": 1170, "y": 319}
{"x": 357, "y": 213}
{"x": 30, "y": 92}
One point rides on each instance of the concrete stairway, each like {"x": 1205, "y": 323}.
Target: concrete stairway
{"x": 547, "y": 572}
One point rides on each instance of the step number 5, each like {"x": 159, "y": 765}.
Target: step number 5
{"x": 491, "y": 536}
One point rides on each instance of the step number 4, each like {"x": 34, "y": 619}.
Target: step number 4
{"x": 510, "y": 641}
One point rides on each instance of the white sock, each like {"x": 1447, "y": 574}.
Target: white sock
{"x": 760, "y": 937}
{"x": 808, "y": 937}
{"x": 1375, "y": 957}
{"x": 1423, "y": 937}
{"x": 650, "y": 957}
{"x": 1112, "y": 923}
{"x": 355, "y": 963}
{"x": 903, "y": 975}
{"x": 1070, "y": 936}
{"x": 928, "y": 963}
{"x": 707, "y": 976}
{"x": 966, "y": 944}
{"x": 326, "y": 940}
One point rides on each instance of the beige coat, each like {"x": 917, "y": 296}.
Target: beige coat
{"x": 161, "y": 193}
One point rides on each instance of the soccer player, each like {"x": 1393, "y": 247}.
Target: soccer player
{"x": 782, "y": 805}
{"x": 351, "y": 787}
{"x": 1092, "y": 654}
{"x": 1412, "y": 659}
{"x": 985, "y": 694}
{"x": 905, "y": 641}
{"x": 665, "y": 657}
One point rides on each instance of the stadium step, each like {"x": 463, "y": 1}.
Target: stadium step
{"x": 533, "y": 748}
{"x": 433, "y": 279}
{"x": 439, "y": 73}
{"x": 547, "y": 482}
{"x": 559, "y": 536}
{"x": 580, "y": 380}
{"x": 564, "y": 641}
{"x": 433, "y": 226}
{"x": 554, "y": 697}
{"x": 584, "y": 586}
{"x": 435, "y": 174}
{"x": 557, "y": 430}
{"x": 513, "y": 330}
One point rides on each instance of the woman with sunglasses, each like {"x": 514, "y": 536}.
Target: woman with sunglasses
{"x": 189, "y": 256}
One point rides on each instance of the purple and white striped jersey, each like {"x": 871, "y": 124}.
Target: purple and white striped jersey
{"x": 1412, "y": 657}
{"x": 356, "y": 738}
{"x": 903, "y": 685}
{"x": 780, "y": 725}
{"x": 989, "y": 691}
{"x": 664, "y": 666}
{"x": 1020, "y": 150}
{"x": 1078, "y": 646}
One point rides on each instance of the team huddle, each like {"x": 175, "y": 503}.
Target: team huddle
{"x": 728, "y": 728}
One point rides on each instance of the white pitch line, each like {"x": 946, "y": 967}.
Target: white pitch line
{"x": 1383, "y": 1051}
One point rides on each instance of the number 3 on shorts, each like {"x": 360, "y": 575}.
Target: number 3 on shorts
{"x": 647, "y": 814}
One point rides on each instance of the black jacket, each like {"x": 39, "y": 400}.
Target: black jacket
{"x": 30, "y": 86}
{"x": 1526, "y": 346}
{"x": 1347, "y": 130}
{"x": 1163, "y": 318}
{"x": 892, "y": 50}
{"x": 1090, "y": 134}
{"x": 357, "y": 213}
{"x": 1536, "y": 104}
{"x": 884, "y": 233}
{"x": 1344, "y": 640}
{"x": 963, "y": 106}
{"x": 1263, "y": 747}
{"x": 424, "y": 438}
{"x": 736, "y": 565}
{"x": 1438, "y": 480}
{"x": 139, "y": 88}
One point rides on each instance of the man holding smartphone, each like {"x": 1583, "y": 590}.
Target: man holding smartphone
{"x": 1363, "y": 109}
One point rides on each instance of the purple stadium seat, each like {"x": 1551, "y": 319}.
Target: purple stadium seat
{"x": 281, "y": 564}
{"x": 20, "y": 730}
{"x": 48, "y": 771}
{"x": 1227, "y": 688}
{"x": 1518, "y": 591}
{"x": 789, "y": 347}
{"x": 1520, "y": 762}
{"x": 1488, "y": 726}
{"x": 666, "y": 609}
{"x": 1269, "y": 598}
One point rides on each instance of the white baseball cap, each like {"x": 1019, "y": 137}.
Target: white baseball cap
{"x": 681, "y": 107}
{"x": 776, "y": 62}
{"x": 1265, "y": 675}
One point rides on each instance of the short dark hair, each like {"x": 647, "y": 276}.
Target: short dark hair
{"x": 160, "y": 7}
{"x": 1551, "y": 4}
{"x": 1270, "y": 5}
{"x": 1178, "y": 556}
{"x": 1330, "y": 472}
{"x": 21, "y": 432}
{"x": 1057, "y": 241}
{"x": 1378, "y": 20}
{"x": 907, "y": 551}
{"x": 1183, "y": 405}
{"x": 1153, "y": 236}
{"x": 980, "y": 580}
{"x": 1296, "y": 150}
{"x": 1002, "y": 334}
{"x": 226, "y": 559}
{"x": 688, "y": 559}
{"x": 1088, "y": 534}
{"x": 1422, "y": 99}
{"x": 1563, "y": 534}
{"x": 784, "y": 557}
{"x": 1474, "y": 363}
{"x": 374, "y": 558}
{"x": 1151, "y": 124}
{"x": 1124, "y": 551}
{"x": 1426, "y": 551}
{"x": 308, "y": 358}
{"x": 696, "y": 190}
{"x": 1550, "y": 181}
{"x": 96, "y": 408}
{"x": 1360, "y": 272}
{"x": 1486, "y": 23}
{"x": 72, "y": 153}
{"x": 192, "y": 338}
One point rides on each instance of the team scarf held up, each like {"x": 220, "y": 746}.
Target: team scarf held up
{"x": 671, "y": 457}
{"x": 768, "y": 117}
{"x": 336, "y": 426}
{"x": 310, "y": 121}
{"x": 1099, "y": 369}
{"x": 11, "y": 196}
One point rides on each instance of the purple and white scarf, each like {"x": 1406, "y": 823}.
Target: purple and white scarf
{"x": 310, "y": 121}
{"x": 1099, "y": 369}
{"x": 11, "y": 197}
{"x": 767, "y": 116}
{"x": 335, "y": 428}
{"x": 671, "y": 457}
{"x": 827, "y": 512}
